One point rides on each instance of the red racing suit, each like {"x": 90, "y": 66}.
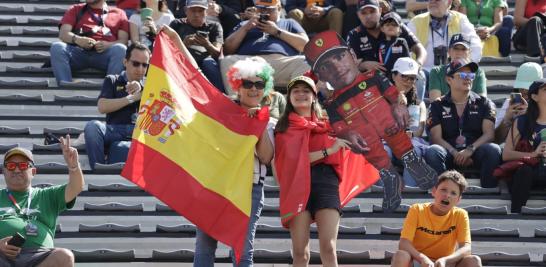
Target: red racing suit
{"x": 364, "y": 107}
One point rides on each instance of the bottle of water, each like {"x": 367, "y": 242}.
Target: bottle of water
{"x": 414, "y": 115}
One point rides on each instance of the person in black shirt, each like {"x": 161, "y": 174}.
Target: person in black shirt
{"x": 462, "y": 126}
{"x": 119, "y": 99}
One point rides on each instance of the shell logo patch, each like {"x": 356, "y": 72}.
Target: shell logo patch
{"x": 319, "y": 42}
{"x": 346, "y": 106}
{"x": 362, "y": 85}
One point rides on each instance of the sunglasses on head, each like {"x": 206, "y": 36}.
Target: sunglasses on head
{"x": 259, "y": 85}
{"x": 467, "y": 75}
{"x": 23, "y": 166}
{"x": 137, "y": 64}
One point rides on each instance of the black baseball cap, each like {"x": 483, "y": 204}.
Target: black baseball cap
{"x": 533, "y": 89}
{"x": 459, "y": 38}
{"x": 368, "y": 3}
{"x": 457, "y": 64}
{"x": 391, "y": 16}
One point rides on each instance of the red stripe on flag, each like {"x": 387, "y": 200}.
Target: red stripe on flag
{"x": 158, "y": 175}
{"x": 168, "y": 58}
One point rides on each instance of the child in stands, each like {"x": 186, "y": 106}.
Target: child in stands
{"x": 438, "y": 233}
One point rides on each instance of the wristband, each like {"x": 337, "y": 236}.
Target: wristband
{"x": 74, "y": 168}
{"x": 325, "y": 153}
{"x": 74, "y": 38}
{"x": 278, "y": 34}
{"x": 130, "y": 99}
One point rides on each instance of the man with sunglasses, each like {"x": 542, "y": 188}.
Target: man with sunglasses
{"x": 119, "y": 99}
{"x": 365, "y": 109}
{"x": 32, "y": 212}
{"x": 462, "y": 126}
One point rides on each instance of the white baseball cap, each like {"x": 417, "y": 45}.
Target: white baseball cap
{"x": 406, "y": 66}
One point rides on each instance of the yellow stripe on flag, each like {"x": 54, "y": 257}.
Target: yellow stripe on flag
{"x": 202, "y": 138}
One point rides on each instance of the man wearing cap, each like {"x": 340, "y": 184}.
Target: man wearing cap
{"x": 365, "y": 109}
{"x": 459, "y": 48}
{"x": 279, "y": 41}
{"x": 316, "y": 15}
{"x": 32, "y": 212}
{"x": 204, "y": 39}
{"x": 512, "y": 107}
{"x": 92, "y": 35}
{"x": 435, "y": 28}
{"x": 462, "y": 126}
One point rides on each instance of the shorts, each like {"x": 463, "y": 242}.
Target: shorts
{"x": 29, "y": 257}
{"x": 324, "y": 189}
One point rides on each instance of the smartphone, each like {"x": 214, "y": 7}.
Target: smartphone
{"x": 17, "y": 240}
{"x": 263, "y": 18}
{"x": 203, "y": 34}
{"x": 516, "y": 98}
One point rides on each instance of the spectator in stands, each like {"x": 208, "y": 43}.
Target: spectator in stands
{"x": 438, "y": 233}
{"x": 145, "y": 24}
{"x": 316, "y": 16}
{"x": 203, "y": 38}
{"x": 416, "y": 7}
{"x": 92, "y": 35}
{"x": 461, "y": 125}
{"x": 529, "y": 19}
{"x": 487, "y": 18}
{"x": 119, "y": 99}
{"x": 404, "y": 74}
{"x": 529, "y": 133}
{"x": 374, "y": 49}
{"x": 279, "y": 41}
{"x": 435, "y": 28}
{"x": 32, "y": 212}
{"x": 276, "y": 103}
{"x": 323, "y": 200}
{"x": 129, "y": 6}
{"x": 511, "y": 108}
{"x": 459, "y": 48}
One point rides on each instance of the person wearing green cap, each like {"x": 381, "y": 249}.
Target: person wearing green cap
{"x": 516, "y": 104}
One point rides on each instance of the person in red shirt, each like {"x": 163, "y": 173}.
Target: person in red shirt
{"x": 365, "y": 109}
{"x": 92, "y": 35}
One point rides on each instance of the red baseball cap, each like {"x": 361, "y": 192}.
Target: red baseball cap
{"x": 323, "y": 44}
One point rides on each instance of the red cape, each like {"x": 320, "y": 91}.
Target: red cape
{"x": 293, "y": 168}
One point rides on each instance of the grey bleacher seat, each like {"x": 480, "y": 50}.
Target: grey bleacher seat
{"x": 114, "y": 187}
{"x": 21, "y": 98}
{"x": 490, "y": 232}
{"x": 159, "y": 207}
{"x": 42, "y": 185}
{"x": 45, "y": 21}
{"x": 52, "y": 167}
{"x": 24, "y": 83}
{"x": 10, "y": 8}
{"x": 500, "y": 257}
{"x": 114, "y": 168}
{"x": 4, "y": 130}
{"x": 33, "y": 55}
{"x": 478, "y": 190}
{"x": 81, "y": 84}
{"x": 540, "y": 232}
{"x": 271, "y": 256}
{"x": 275, "y": 229}
{"x": 352, "y": 257}
{"x": 28, "y": 69}
{"x": 5, "y": 31}
{"x": 5, "y": 148}
{"x": 507, "y": 59}
{"x": 54, "y": 148}
{"x": 533, "y": 211}
{"x": 75, "y": 100}
{"x": 403, "y": 208}
{"x": 7, "y": 21}
{"x": 407, "y": 189}
{"x": 51, "y": 10}
{"x": 41, "y": 31}
{"x": 35, "y": 43}
{"x": 113, "y": 206}
{"x": 275, "y": 208}
{"x": 501, "y": 72}
{"x": 472, "y": 209}
{"x": 109, "y": 228}
{"x": 180, "y": 228}
{"x": 59, "y": 228}
{"x": 104, "y": 255}
{"x": 64, "y": 131}
{"x": 183, "y": 255}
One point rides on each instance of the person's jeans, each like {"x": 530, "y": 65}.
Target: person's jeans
{"x": 487, "y": 157}
{"x": 528, "y": 38}
{"x": 211, "y": 69}
{"x": 66, "y": 57}
{"x": 504, "y": 34}
{"x": 205, "y": 246}
{"x": 99, "y": 136}
{"x": 419, "y": 146}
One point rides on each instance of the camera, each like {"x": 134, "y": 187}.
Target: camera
{"x": 263, "y": 18}
{"x": 202, "y": 34}
{"x": 440, "y": 55}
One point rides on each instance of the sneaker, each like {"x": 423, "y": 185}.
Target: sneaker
{"x": 392, "y": 189}
{"x": 424, "y": 175}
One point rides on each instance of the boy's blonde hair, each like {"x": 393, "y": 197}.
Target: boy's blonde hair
{"x": 453, "y": 176}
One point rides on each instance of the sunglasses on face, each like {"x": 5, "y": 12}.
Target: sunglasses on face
{"x": 467, "y": 75}
{"x": 137, "y": 64}
{"x": 409, "y": 78}
{"x": 259, "y": 85}
{"x": 23, "y": 166}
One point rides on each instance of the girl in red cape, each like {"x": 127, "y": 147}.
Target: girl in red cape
{"x": 316, "y": 171}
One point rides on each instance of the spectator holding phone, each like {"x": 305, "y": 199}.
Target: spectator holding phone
{"x": 28, "y": 216}
{"x": 145, "y": 25}
{"x": 119, "y": 99}
{"x": 516, "y": 104}
{"x": 204, "y": 39}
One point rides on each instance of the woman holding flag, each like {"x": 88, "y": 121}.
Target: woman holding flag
{"x": 310, "y": 165}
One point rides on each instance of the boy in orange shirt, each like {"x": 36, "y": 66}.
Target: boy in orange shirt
{"x": 437, "y": 234}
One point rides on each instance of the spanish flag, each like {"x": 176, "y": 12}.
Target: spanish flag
{"x": 193, "y": 148}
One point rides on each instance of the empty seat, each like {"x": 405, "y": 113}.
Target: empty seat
{"x": 540, "y": 232}
{"x": 54, "y": 148}
{"x": 114, "y": 187}
{"x": 5, "y": 148}
{"x": 533, "y": 211}
{"x": 502, "y": 257}
{"x": 114, "y": 168}
{"x": 4, "y": 130}
{"x": 63, "y": 131}
{"x": 41, "y": 31}
{"x": 104, "y": 255}
{"x": 75, "y": 100}
{"x": 350, "y": 257}
{"x": 109, "y": 228}
{"x": 478, "y": 190}
{"x": 487, "y": 231}
{"x": 270, "y": 256}
{"x": 52, "y": 167}
{"x": 507, "y": 59}
{"x": 36, "y": 43}
{"x": 113, "y": 206}
{"x": 21, "y": 99}
{"x": 180, "y": 228}
{"x": 24, "y": 83}
{"x": 183, "y": 255}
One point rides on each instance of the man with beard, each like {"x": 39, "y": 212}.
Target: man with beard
{"x": 365, "y": 109}
{"x": 92, "y": 35}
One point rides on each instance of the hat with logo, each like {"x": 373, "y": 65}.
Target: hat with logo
{"x": 302, "y": 79}
{"x": 266, "y": 3}
{"x": 457, "y": 64}
{"x": 322, "y": 44}
{"x": 459, "y": 38}
{"x": 527, "y": 73}
{"x": 18, "y": 151}
{"x": 199, "y": 3}
{"x": 391, "y": 16}
{"x": 368, "y": 3}
{"x": 406, "y": 66}
{"x": 533, "y": 89}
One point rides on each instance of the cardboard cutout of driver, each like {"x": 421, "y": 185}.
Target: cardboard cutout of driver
{"x": 365, "y": 110}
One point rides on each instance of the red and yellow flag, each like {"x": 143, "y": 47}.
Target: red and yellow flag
{"x": 193, "y": 148}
